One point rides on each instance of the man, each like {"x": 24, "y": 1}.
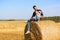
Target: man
{"x": 37, "y": 15}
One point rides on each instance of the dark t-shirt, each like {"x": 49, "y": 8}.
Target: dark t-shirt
{"x": 34, "y": 13}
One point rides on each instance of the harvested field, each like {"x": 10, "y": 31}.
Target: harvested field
{"x": 41, "y": 30}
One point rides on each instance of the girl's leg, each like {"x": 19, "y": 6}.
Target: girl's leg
{"x": 37, "y": 18}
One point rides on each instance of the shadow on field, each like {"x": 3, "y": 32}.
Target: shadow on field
{"x": 35, "y": 33}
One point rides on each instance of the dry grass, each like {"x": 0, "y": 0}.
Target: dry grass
{"x": 14, "y": 30}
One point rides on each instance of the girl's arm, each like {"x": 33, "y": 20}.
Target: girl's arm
{"x": 41, "y": 13}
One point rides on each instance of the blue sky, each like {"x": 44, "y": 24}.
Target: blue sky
{"x": 22, "y": 9}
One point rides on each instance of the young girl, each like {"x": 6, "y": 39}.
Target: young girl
{"x": 37, "y": 15}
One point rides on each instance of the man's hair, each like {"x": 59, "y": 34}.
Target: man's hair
{"x": 34, "y": 6}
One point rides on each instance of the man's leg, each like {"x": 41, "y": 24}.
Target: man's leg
{"x": 28, "y": 27}
{"x": 28, "y": 23}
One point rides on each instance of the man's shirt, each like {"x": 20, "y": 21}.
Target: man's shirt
{"x": 37, "y": 14}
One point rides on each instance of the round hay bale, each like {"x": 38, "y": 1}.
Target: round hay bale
{"x": 43, "y": 30}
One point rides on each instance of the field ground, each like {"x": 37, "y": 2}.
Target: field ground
{"x": 14, "y": 30}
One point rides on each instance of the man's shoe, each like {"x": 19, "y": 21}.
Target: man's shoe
{"x": 27, "y": 32}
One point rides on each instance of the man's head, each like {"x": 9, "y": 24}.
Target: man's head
{"x": 35, "y": 7}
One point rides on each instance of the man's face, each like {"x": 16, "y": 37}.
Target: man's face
{"x": 35, "y": 8}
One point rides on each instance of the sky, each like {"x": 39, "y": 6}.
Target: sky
{"x": 22, "y": 9}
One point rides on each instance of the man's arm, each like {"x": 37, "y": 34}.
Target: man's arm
{"x": 33, "y": 14}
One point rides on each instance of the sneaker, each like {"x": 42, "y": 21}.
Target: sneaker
{"x": 27, "y": 32}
